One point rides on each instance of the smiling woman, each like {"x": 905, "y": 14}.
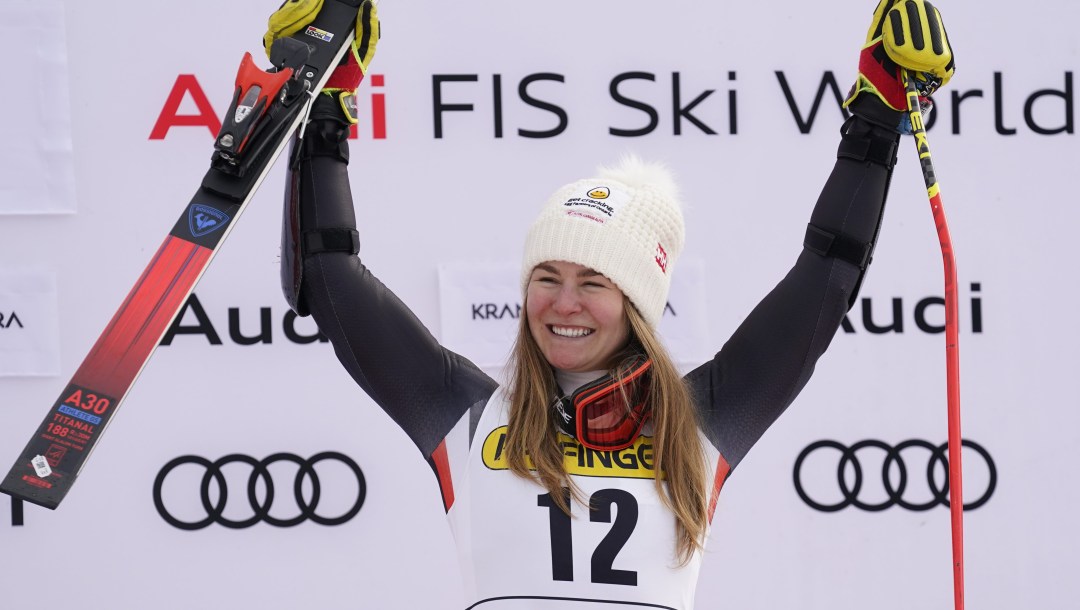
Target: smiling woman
{"x": 596, "y": 274}
{"x": 591, "y": 479}
{"x": 576, "y": 316}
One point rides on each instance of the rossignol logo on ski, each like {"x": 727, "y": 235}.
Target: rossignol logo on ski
{"x": 322, "y": 35}
{"x": 204, "y": 220}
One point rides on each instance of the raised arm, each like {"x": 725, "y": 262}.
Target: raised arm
{"x": 769, "y": 359}
{"x": 424, "y": 387}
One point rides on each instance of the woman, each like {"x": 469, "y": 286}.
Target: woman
{"x": 592, "y": 478}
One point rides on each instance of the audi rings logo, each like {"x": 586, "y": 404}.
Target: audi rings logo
{"x": 307, "y": 490}
{"x": 814, "y": 471}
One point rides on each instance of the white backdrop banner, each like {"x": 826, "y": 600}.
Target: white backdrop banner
{"x": 840, "y": 505}
{"x": 39, "y": 172}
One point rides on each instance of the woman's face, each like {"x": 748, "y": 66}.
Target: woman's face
{"x": 576, "y": 316}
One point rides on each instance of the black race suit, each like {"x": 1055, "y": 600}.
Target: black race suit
{"x": 430, "y": 391}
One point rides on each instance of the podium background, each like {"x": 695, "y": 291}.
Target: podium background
{"x": 466, "y": 198}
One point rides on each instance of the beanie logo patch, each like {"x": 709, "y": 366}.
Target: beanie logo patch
{"x": 599, "y": 203}
{"x": 661, "y": 258}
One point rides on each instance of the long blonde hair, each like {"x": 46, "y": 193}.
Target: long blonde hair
{"x": 679, "y": 455}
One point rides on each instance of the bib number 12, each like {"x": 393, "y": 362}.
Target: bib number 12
{"x": 603, "y": 558}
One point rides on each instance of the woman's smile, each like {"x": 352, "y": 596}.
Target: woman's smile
{"x": 576, "y": 315}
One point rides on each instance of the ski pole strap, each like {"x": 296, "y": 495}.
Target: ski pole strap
{"x": 839, "y": 246}
{"x": 862, "y": 142}
{"x": 331, "y": 240}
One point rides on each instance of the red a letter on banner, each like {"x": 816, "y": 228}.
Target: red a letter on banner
{"x": 186, "y": 83}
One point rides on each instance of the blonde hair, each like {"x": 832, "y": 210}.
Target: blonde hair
{"x": 679, "y": 455}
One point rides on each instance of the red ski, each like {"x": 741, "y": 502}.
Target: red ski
{"x": 267, "y": 108}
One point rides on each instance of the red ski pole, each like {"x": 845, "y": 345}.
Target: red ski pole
{"x": 952, "y": 341}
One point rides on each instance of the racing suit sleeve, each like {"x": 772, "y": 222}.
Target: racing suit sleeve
{"x": 422, "y": 386}
{"x": 772, "y": 354}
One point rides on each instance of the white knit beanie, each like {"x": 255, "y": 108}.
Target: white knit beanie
{"x": 626, "y": 223}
